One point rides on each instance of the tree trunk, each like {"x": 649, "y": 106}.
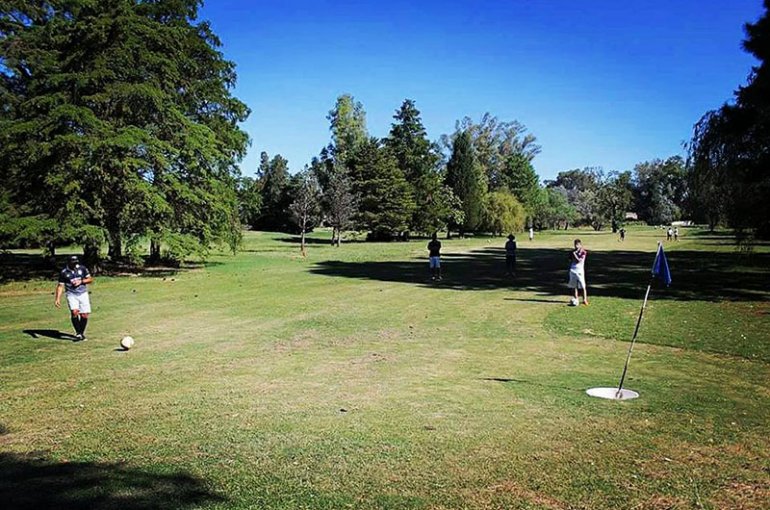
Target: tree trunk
{"x": 50, "y": 253}
{"x": 91, "y": 257}
{"x": 302, "y": 242}
{"x": 154, "y": 251}
{"x": 115, "y": 240}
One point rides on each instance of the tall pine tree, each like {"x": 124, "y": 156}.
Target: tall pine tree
{"x": 418, "y": 159}
{"x": 466, "y": 178}
{"x": 385, "y": 202}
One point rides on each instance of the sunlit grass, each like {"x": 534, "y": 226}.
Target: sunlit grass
{"x": 278, "y": 381}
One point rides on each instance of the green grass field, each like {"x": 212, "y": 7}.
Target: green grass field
{"x": 348, "y": 380}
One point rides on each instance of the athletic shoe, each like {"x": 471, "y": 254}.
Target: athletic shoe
{"x": 79, "y": 338}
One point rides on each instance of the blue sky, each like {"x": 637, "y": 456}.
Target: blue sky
{"x": 600, "y": 82}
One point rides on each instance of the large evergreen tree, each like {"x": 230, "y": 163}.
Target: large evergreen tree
{"x": 519, "y": 177}
{"x": 277, "y": 194}
{"x": 118, "y": 114}
{"x": 418, "y": 160}
{"x": 385, "y": 202}
{"x": 466, "y": 179}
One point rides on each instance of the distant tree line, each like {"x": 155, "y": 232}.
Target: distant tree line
{"x": 480, "y": 178}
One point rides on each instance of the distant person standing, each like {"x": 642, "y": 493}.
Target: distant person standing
{"x": 510, "y": 255}
{"x": 676, "y": 233}
{"x": 72, "y": 282}
{"x": 622, "y": 234}
{"x": 434, "y": 253}
{"x": 669, "y": 234}
{"x": 577, "y": 274}
{"x": 531, "y": 233}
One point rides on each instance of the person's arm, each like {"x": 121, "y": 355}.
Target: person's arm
{"x": 58, "y": 293}
{"x": 77, "y": 282}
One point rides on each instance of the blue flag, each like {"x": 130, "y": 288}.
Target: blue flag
{"x": 660, "y": 267}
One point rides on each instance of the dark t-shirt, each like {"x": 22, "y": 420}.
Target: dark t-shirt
{"x": 434, "y": 247}
{"x": 67, "y": 275}
{"x": 510, "y": 248}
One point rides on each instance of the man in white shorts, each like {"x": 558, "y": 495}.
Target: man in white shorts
{"x": 577, "y": 274}
{"x": 73, "y": 279}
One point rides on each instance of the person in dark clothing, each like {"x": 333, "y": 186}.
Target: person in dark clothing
{"x": 510, "y": 256}
{"x": 434, "y": 252}
{"x": 72, "y": 282}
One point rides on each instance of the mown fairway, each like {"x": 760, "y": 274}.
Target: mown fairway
{"x": 349, "y": 380}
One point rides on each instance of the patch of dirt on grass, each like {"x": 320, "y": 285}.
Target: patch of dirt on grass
{"x": 301, "y": 340}
{"x": 529, "y": 495}
{"x": 370, "y": 358}
{"x": 389, "y": 334}
{"x": 743, "y": 496}
{"x": 662, "y": 503}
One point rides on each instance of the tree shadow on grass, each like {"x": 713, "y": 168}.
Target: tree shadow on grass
{"x": 316, "y": 240}
{"x": 507, "y": 380}
{"x": 697, "y": 275}
{"x": 49, "y": 333}
{"x": 28, "y": 266}
{"x": 32, "y": 482}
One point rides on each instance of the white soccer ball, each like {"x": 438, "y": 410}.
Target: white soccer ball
{"x": 127, "y": 342}
{"x": 573, "y": 302}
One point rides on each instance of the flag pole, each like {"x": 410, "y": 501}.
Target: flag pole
{"x": 633, "y": 340}
{"x": 636, "y": 330}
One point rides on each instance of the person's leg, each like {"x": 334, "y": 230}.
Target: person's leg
{"x": 438, "y": 268}
{"x": 83, "y": 324}
{"x": 75, "y": 310}
{"x": 85, "y": 309}
{"x": 75, "y": 319}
